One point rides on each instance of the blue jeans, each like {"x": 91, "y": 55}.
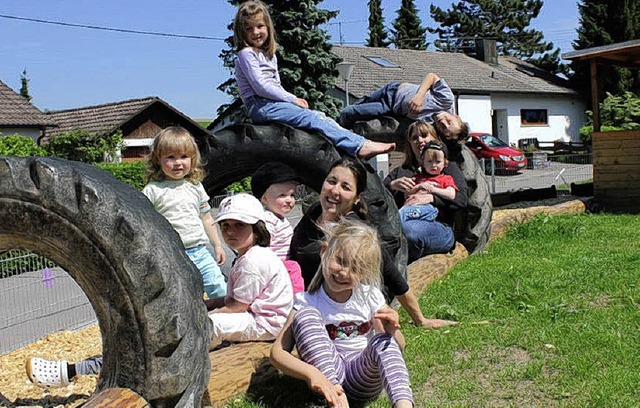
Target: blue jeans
{"x": 262, "y": 111}
{"x": 214, "y": 283}
{"x": 427, "y": 237}
{"x": 378, "y": 103}
{"x": 425, "y": 212}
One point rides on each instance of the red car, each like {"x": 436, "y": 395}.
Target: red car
{"x": 486, "y": 146}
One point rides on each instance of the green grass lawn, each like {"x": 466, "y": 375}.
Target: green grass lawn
{"x": 549, "y": 316}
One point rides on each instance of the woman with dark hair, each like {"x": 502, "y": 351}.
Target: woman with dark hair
{"x": 439, "y": 238}
{"x": 340, "y": 198}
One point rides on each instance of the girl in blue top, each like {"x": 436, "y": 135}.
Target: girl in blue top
{"x": 264, "y": 98}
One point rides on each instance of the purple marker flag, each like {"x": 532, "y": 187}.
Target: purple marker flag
{"x": 48, "y": 277}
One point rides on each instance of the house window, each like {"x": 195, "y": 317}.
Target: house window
{"x": 382, "y": 62}
{"x": 533, "y": 117}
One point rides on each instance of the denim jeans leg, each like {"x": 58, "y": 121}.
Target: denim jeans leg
{"x": 378, "y": 103}
{"x": 214, "y": 283}
{"x": 427, "y": 237}
{"x": 263, "y": 111}
{"x": 426, "y": 212}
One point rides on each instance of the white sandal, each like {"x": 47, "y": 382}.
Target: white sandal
{"x": 47, "y": 373}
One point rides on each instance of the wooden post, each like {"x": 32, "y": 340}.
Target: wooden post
{"x": 595, "y": 97}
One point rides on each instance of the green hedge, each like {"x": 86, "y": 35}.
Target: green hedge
{"x": 132, "y": 173}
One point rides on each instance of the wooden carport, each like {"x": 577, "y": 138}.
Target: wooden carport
{"x": 616, "y": 155}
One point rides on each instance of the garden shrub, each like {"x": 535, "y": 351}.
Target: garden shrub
{"x": 132, "y": 173}
{"x": 80, "y": 145}
{"x": 18, "y": 145}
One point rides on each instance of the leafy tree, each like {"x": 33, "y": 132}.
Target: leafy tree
{"x": 504, "y": 21}
{"x": 307, "y": 66}
{"x": 24, "y": 87}
{"x": 407, "y": 30}
{"x": 82, "y": 146}
{"x": 604, "y": 22}
{"x": 18, "y": 145}
{"x": 378, "y": 36}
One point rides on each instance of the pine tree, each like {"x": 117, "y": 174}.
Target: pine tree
{"x": 604, "y": 22}
{"x": 24, "y": 88}
{"x": 306, "y": 64}
{"x": 504, "y": 21}
{"x": 378, "y": 36}
{"x": 407, "y": 30}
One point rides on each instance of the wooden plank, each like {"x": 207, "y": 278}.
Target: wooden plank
{"x": 598, "y": 137}
{"x": 599, "y": 160}
{"x": 630, "y": 181}
{"x": 613, "y": 169}
{"x": 631, "y": 150}
{"x": 116, "y": 398}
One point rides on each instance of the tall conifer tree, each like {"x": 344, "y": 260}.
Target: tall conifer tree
{"x": 407, "y": 30}
{"x": 504, "y": 21}
{"x": 306, "y": 64}
{"x": 378, "y": 36}
{"x": 604, "y": 22}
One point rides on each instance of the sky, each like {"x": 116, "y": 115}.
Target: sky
{"x": 71, "y": 67}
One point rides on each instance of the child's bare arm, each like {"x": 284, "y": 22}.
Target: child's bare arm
{"x": 386, "y": 320}
{"x": 283, "y": 360}
{"x": 212, "y": 232}
{"x": 232, "y": 306}
{"x": 415, "y": 106}
{"x": 448, "y": 193}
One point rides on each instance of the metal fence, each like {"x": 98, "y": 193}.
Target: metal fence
{"x": 544, "y": 171}
{"x": 37, "y": 298}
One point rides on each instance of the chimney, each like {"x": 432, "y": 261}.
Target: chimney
{"x": 486, "y": 51}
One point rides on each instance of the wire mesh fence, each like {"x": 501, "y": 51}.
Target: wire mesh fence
{"x": 545, "y": 171}
{"x": 37, "y": 298}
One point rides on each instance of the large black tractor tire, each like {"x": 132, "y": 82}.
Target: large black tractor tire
{"x": 472, "y": 225}
{"x": 146, "y": 293}
{"x": 236, "y": 151}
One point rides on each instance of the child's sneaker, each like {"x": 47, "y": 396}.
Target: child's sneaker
{"x": 46, "y": 373}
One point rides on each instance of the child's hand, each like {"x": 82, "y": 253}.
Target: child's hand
{"x": 302, "y": 103}
{"x": 221, "y": 256}
{"x": 425, "y": 187}
{"x": 389, "y": 318}
{"x": 415, "y": 106}
{"x": 333, "y": 393}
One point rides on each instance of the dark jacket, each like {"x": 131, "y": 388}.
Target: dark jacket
{"x": 305, "y": 249}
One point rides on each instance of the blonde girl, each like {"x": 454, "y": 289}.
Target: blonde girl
{"x": 348, "y": 339}
{"x": 264, "y": 98}
{"x": 259, "y": 294}
{"x": 175, "y": 173}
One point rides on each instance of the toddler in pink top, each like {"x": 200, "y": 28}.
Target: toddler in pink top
{"x": 259, "y": 295}
{"x": 274, "y": 184}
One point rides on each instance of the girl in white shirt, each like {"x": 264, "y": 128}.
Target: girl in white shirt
{"x": 348, "y": 339}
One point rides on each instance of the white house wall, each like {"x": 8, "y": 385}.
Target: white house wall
{"x": 33, "y": 133}
{"x": 476, "y": 111}
{"x": 565, "y": 116}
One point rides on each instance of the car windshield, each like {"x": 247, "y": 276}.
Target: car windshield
{"x": 492, "y": 141}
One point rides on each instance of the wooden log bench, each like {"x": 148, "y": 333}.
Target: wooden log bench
{"x": 235, "y": 368}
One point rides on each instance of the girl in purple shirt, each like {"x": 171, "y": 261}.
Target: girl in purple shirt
{"x": 264, "y": 98}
